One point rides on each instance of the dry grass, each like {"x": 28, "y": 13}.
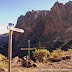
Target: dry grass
{"x": 69, "y": 51}
{"x": 56, "y": 53}
{"x": 2, "y": 62}
{"x": 40, "y": 53}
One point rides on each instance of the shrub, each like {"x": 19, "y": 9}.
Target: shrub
{"x": 2, "y": 56}
{"x": 40, "y": 53}
{"x": 2, "y": 64}
{"x": 57, "y": 53}
{"x": 37, "y": 61}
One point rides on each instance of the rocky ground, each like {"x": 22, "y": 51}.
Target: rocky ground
{"x": 62, "y": 66}
{"x": 48, "y": 66}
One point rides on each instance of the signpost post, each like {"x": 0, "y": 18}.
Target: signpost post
{"x": 11, "y": 29}
{"x": 28, "y": 49}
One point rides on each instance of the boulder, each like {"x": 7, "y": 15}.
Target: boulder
{"x": 15, "y": 59}
{"x": 31, "y": 62}
{"x": 25, "y": 58}
{"x": 35, "y": 64}
{"x": 28, "y": 63}
{"x": 20, "y": 60}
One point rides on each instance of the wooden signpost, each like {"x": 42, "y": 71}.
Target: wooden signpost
{"x": 28, "y": 49}
{"x": 11, "y": 29}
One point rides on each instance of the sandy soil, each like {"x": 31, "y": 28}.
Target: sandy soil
{"x": 62, "y": 66}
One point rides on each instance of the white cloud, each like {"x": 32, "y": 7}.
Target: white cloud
{"x": 3, "y": 30}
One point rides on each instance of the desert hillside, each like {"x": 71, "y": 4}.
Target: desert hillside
{"x": 52, "y": 28}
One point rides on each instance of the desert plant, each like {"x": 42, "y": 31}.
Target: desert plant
{"x": 40, "y": 53}
{"x": 56, "y": 53}
{"x": 2, "y": 57}
{"x": 37, "y": 61}
{"x": 3, "y": 64}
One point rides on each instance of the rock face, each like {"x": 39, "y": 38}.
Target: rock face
{"x": 44, "y": 26}
{"x": 52, "y": 28}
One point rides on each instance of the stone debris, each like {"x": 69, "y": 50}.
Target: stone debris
{"x": 15, "y": 59}
{"x": 35, "y": 64}
{"x": 3, "y": 70}
{"x": 28, "y": 63}
{"x": 66, "y": 57}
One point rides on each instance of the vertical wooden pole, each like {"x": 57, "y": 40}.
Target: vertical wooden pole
{"x": 29, "y": 49}
{"x": 10, "y": 49}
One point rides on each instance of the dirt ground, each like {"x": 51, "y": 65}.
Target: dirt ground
{"x": 62, "y": 66}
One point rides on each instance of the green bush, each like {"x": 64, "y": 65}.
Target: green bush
{"x": 40, "y": 53}
{"x": 56, "y": 53}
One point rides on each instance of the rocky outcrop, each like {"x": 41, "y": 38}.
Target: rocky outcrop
{"x": 44, "y": 26}
{"x": 52, "y": 28}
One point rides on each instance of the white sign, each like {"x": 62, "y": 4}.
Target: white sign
{"x": 10, "y": 28}
{"x": 18, "y": 30}
{"x": 15, "y": 29}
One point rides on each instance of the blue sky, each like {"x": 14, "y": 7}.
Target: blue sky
{"x": 10, "y": 10}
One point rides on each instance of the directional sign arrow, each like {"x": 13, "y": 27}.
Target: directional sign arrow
{"x": 15, "y": 29}
{"x": 11, "y": 28}
{"x": 18, "y": 30}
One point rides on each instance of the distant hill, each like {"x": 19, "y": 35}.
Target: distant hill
{"x": 52, "y": 28}
{"x": 4, "y": 43}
